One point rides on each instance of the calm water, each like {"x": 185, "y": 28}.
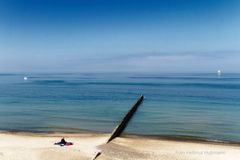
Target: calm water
{"x": 198, "y": 105}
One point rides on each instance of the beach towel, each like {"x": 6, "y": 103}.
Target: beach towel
{"x": 63, "y": 144}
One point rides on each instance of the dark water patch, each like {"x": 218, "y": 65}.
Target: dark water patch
{"x": 64, "y": 129}
{"x": 7, "y": 130}
{"x": 45, "y": 82}
{"x": 200, "y": 85}
{"x": 83, "y": 119}
{"x": 12, "y": 102}
{"x": 183, "y": 138}
{"x": 137, "y": 84}
{"x": 183, "y": 85}
{"x": 8, "y": 74}
{"x": 216, "y": 78}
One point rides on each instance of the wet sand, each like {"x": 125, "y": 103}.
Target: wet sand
{"x": 36, "y": 146}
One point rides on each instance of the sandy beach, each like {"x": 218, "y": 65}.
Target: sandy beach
{"x": 35, "y": 146}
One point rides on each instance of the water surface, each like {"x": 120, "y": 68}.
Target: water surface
{"x": 197, "y": 105}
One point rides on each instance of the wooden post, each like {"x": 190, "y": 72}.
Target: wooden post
{"x": 121, "y": 126}
{"x": 123, "y": 123}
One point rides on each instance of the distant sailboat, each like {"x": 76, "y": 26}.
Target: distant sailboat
{"x": 25, "y": 78}
{"x": 219, "y": 72}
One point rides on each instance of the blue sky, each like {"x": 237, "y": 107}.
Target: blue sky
{"x": 119, "y": 35}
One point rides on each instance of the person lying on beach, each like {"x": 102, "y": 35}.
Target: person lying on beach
{"x": 63, "y": 143}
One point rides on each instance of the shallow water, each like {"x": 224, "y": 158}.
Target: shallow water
{"x": 198, "y": 105}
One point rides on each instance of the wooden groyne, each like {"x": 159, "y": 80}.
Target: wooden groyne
{"x": 121, "y": 126}
{"x": 123, "y": 123}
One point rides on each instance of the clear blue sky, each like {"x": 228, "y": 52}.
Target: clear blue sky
{"x": 119, "y": 35}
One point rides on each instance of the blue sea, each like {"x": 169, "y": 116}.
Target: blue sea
{"x": 189, "y": 105}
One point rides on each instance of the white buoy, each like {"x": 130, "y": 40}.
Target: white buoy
{"x": 25, "y": 78}
{"x": 219, "y": 72}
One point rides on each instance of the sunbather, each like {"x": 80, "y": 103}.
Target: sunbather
{"x": 63, "y": 143}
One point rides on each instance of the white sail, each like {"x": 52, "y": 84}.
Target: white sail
{"x": 219, "y": 72}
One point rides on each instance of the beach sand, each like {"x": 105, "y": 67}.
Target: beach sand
{"x": 36, "y": 146}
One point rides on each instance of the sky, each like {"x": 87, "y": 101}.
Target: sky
{"x": 160, "y": 36}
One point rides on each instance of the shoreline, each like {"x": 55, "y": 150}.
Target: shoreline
{"x": 96, "y": 133}
{"x": 40, "y": 146}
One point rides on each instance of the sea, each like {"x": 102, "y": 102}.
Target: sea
{"x": 201, "y": 105}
